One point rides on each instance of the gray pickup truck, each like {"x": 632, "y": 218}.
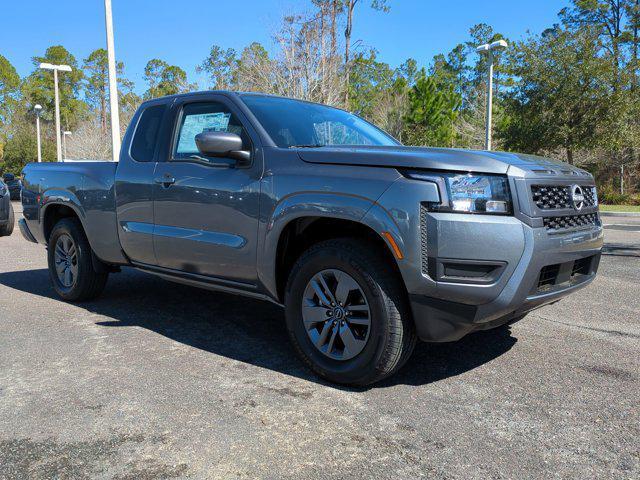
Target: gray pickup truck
{"x": 369, "y": 245}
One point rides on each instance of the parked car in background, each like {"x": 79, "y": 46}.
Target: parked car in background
{"x": 7, "y": 219}
{"x": 368, "y": 244}
{"x": 14, "y": 184}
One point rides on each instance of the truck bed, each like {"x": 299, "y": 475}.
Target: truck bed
{"x": 87, "y": 187}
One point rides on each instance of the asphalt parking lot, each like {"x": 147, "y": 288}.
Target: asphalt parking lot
{"x": 157, "y": 380}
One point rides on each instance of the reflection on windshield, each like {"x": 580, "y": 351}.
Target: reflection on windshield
{"x": 293, "y": 123}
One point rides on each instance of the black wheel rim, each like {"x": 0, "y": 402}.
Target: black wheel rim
{"x": 336, "y": 314}
{"x": 65, "y": 257}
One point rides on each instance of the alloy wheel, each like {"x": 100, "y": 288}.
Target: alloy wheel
{"x": 336, "y": 314}
{"x": 65, "y": 257}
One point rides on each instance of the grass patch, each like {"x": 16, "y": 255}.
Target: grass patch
{"x": 620, "y": 208}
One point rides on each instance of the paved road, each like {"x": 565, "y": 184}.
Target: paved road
{"x": 622, "y": 236}
{"x": 156, "y": 380}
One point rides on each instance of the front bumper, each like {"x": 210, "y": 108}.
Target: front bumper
{"x": 468, "y": 272}
{"x": 24, "y": 230}
{"x": 576, "y": 256}
{"x": 572, "y": 258}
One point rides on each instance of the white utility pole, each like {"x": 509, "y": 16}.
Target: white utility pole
{"x": 38, "y": 109}
{"x": 488, "y": 48}
{"x": 622, "y": 179}
{"x": 56, "y": 69}
{"x": 489, "y": 114}
{"x": 64, "y": 144}
{"x": 113, "y": 84}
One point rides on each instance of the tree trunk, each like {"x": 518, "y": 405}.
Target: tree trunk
{"x": 334, "y": 25}
{"x": 103, "y": 101}
{"x": 634, "y": 66}
{"x": 569, "y": 156}
{"x": 324, "y": 95}
{"x": 103, "y": 113}
{"x": 347, "y": 49}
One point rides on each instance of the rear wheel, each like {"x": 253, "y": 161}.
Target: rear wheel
{"x": 347, "y": 313}
{"x": 71, "y": 266}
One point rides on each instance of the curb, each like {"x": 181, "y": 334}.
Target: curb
{"x": 620, "y": 214}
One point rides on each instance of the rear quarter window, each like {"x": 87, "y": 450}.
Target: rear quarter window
{"x": 145, "y": 139}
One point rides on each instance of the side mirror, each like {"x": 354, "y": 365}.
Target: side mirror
{"x": 222, "y": 144}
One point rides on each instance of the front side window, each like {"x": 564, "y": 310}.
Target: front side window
{"x": 204, "y": 117}
{"x": 293, "y": 123}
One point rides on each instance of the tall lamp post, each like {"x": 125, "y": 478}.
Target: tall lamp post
{"x": 64, "y": 144}
{"x": 38, "y": 109}
{"x": 56, "y": 69}
{"x": 488, "y": 49}
{"x": 113, "y": 84}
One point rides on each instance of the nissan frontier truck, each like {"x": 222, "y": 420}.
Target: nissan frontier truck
{"x": 368, "y": 245}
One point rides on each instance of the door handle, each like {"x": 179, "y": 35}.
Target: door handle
{"x": 166, "y": 180}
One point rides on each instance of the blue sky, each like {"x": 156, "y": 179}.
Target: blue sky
{"x": 182, "y": 32}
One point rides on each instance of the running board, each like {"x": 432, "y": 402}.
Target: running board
{"x": 209, "y": 283}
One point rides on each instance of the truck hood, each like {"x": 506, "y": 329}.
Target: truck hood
{"x": 436, "y": 159}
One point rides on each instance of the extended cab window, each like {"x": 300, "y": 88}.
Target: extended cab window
{"x": 205, "y": 117}
{"x": 144, "y": 141}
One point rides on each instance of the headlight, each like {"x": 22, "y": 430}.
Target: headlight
{"x": 470, "y": 193}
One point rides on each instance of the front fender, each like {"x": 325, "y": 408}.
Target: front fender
{"x": 341, "y": 206}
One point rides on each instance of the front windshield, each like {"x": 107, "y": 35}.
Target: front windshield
{"x": 293, "y": 123}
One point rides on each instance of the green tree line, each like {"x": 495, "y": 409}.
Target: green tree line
{"x": 570, "y": 92}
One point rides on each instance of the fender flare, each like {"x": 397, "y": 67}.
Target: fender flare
{"x": 332, "y": 205}
{"x": 64, "y": 198}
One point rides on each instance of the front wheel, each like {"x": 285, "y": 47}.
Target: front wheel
{"x": 347, "y": 313}
{"x": 71, "y": 267}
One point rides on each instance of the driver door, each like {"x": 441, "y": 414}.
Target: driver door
{"x": 206, "y": 209}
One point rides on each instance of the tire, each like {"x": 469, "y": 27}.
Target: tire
{"x": 7, "y": 230}
{"x": 390, "y": 336}
{"x": 86, "y": 283}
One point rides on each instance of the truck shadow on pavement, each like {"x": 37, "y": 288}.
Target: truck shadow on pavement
{"x": 247, "y": 330}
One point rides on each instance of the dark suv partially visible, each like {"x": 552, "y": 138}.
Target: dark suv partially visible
{"x": 14, "y": 184}
{"x": 7, "y": 219}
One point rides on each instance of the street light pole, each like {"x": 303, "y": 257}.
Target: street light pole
{"x": 113, "y": 84}
{"x": 56, "y": 68}
{"x": 57, "y": 102}
{"x": 38, "y": 109}
{"x": 489, "y": 114}
{"x": 488, "y": 49}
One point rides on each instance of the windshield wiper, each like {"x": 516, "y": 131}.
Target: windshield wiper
{"x": 311, "y": 145}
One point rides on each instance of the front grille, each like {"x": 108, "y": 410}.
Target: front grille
{"x": 556, "y": 197}
{"x": 590, "y": 197}
{"x": 424, "y": 253}
{"x": 571, "y": 222}
{"x": 551, "y": 197}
